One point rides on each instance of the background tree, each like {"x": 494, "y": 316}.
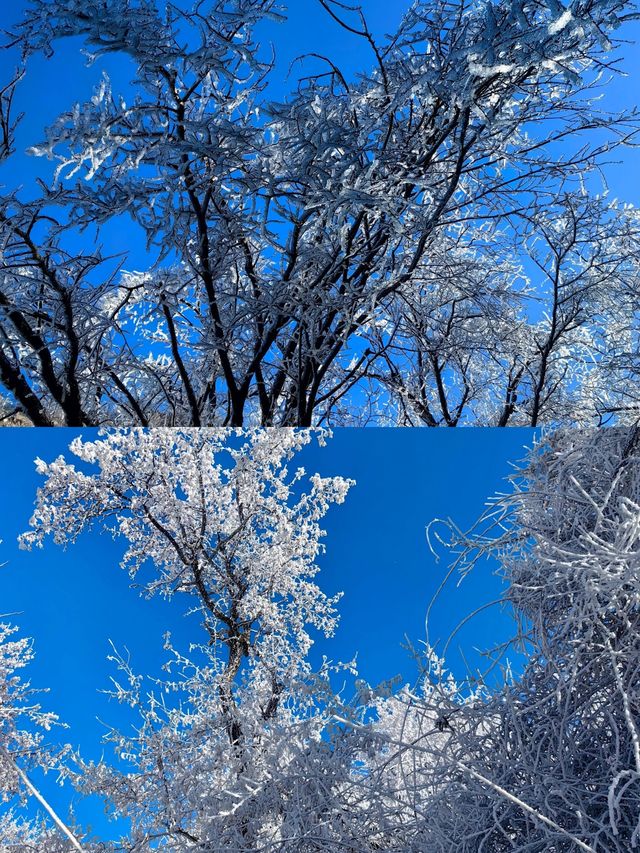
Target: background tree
{"x": 281, "y": 235}
{"x": 23, "y": 725}
{"x": 479, "y": 340}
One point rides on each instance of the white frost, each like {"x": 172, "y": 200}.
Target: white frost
{"x": 560, "y": 23}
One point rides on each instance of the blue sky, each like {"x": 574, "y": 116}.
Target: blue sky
{"x": 74, "y": 602}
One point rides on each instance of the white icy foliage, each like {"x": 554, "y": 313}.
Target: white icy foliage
{"x": 233, "y": 737}
{"x": 219, "y": 515}
{"x": 551, "y": 761}
{"x": 483, "y": 339}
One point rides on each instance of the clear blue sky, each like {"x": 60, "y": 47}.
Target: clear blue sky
{"x": 73, "y": 602}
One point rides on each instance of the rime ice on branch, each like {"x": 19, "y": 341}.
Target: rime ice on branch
{"x": 23, "y": 725}
{"x": 551, "y": 761}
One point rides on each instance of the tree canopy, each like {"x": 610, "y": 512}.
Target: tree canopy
{"x": 430, "y": 243}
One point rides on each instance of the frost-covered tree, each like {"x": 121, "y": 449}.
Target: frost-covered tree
{"x": 230, "y": 750}
{"x": 551, "y": 760}
{"x": 390, "y": 249}
{"x": 475, "y": 340}
{"x": 23, "y": 725}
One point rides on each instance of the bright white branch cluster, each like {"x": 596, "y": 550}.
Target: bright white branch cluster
{"x": 22, "y": 728}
